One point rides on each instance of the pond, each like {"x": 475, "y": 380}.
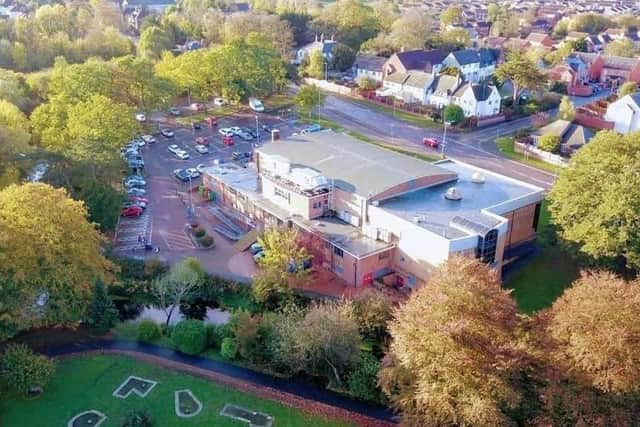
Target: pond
{"x": 209, "y": 315}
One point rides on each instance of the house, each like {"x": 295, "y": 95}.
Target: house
{"x": 572, "y": 136}
{"x": 369, "y": 66}
{"x": 155, "y": 6}
{"x": 541, "y": 25}
{"x": 625, "y": 113}
{"x": 442, "y": 89}
{"x": 376, "y": 215}
{"x": 540, "y": 40}
{"x": 494, "y": 42}
{"x": 576, "y": 35}
{"x": 609, "y": 69}
{"x": 573, "y": 73}
{"x": 410, "y": 87}
{"x": 429, "y": 61}
{"x": 478, "y": 100}
{"x": 324, "y": 46}
{"x": 514, "y": 43}
{"x": 474, "y": 64}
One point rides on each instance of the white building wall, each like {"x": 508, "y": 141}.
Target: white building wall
{"x": 625, "y": 114}
{"x": 374, "y": 75}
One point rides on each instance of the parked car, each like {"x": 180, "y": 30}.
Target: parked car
{"x": 137, "y": 142}
{"x": 235, "y": 129}
{"x": 136, "y": 192}
{"x": 211, "y": 121}
{"x": 196, "y": 126}
{"x": 136, "y": 164}
{"x": 198, "y": 106}
{"x": 182, "y": 175}
{"x": 245, "y": 135}
{"x": 167, "y": 133}
{"x": 135, "y": 184}
{"x": 174, "y": 111}
{"x": 138, "y": 199}
{"x": 431, "y": 142}
{"x": 173, "y": 148}
{"x": 149, "y": 139}
{"x": 141, "y": 117}
{"x": 226, "y": 132}
{"x": 251, "y": 131}
{"x": 193, "y": 172}
{"x": 202, "y": 140}
{"x": 311, "y": 129}
{"x": 132, "y": 211}
{"x": 131, "y": 152}
{"x": 143, "y": 205}
{"x": 255, "y": 248}
{"x": 182, "y": 155}
{"x": 237, "y": 155}
{"x": 267, "y": 128}
{"x": 219, "y": 102}
{"x": 257, "y": 257}
{"x": 202, "y": 149}
{"x": 201, "y": 167}
{"x": 227, "y": 141}
{"x": 131, "y": 181}
{"x": 256, "y": 105}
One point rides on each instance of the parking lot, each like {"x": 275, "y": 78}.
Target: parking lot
{"x": 172, "y": 206}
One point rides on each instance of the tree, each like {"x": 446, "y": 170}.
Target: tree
{"x": 137, "y": 84}
{"x": 453, "y": 114}
{"x": 549, "y": 142}
{"x": 596, "y": 326}
{"x": 412, "y": 30}
{"x": 451, "y": 15}
{"x": 453, "y": 354}
{"x": 372, "y": 310}
{"x": 351, "y": 21}
{"x": 102, "y": 313}
{"x": 386, "y": 13}
{"x": 343, "y": 57}
{"x": 153, "y": 41}
{"x": 628, "y": 88}
{"x": 601, "y": 222}
{"x": 189, "y": 336}
{"x": 592, "y": 23}
{"x": 103, "y": 202}
{"x": 283, "y": 251}
{"x": 363, "y": 381}
{"x": 22, "y": 370}
{"x": 581, "y": 45}
{"x": 367, "y": 83}
{"x": 308, "y": 98}
{"x": 522, "y": 72}
{"x": 50, "y": 285}
{"x": 275, "y": 30}
{"x": 622, "y": 47}
{"x": 328, "y": 340}
{"x": 566, "y": 110}
{"x": 316, "y": 65}
{"x": 180, "y": 283}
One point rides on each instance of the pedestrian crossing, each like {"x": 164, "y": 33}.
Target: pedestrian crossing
{"x": 132, "y": 233}
{"x": 176, "y": 239}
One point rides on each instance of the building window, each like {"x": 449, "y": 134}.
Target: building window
{"x": 487, "y": 246}
{"x": 384, "y": 255}
{"x": 338, "y": 252}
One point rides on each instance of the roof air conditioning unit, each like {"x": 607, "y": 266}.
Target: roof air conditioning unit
{"x": 453, "y": 194}
{"x": 478, "y": 178}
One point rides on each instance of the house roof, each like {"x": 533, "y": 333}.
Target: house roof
{"x": 398, "y": 78}
{"x": 481, "y": 56}
{"x": 419, "y": 79}
{"x": 610, "y": 61}
{"x": 558, "y": 128}
{"x": 481, "y": 92}
{"x": 422, "y": 60}
{"x": 370, "y": 62}
{"x": 577, "y": 35}
{"x": 537, "y": 37}
{"x": 445, "y": 85}
{"x": 353, "y": 166}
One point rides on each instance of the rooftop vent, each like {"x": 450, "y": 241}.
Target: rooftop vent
{"x": 478, "y": 178}
{"x": 453, "y": 194}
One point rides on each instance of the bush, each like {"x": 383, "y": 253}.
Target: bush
{"x": 229, "y": 348}
{"x": 207, "y": 241}
{"x": 372, "y": 311}
{"x": 215, "y": 335}
{"x": 137, "y": 419}
{"x": 199, "y": 232}
{"x": 245, "y": 329}
{"x": 363, "y": 381}
{"x": 453, "y": 114}
{"x": 549, "y": 142}
{"x": 21, "y": 369}
{"x": 148, "y": 330}
{"x": 102, "y": 313}
{"x": 189, "y": 336}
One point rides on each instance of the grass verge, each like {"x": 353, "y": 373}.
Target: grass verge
{"x": 414, "y": 119}
{"x": 541, "y": 281}
{"x": 85, "y": 383}
{"x": 506, "y": 146}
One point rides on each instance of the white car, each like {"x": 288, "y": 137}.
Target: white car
{"x": 201, "y": 167}
{"x": 235, "y": 129}
{"x": 174, "y": 111}
{"x": 201, "y": 149}
{"x": 173, "y": 148}
{"x": 167, "y": 133}
{"x": 245, "y": 135}
{"x": 219, "y": 102}
{"x": 193, "y": 172}
{"x": 149, "y": 139}
{"x": 256, "y": 105}
{"x": 226, "y": 132}
{"x": 141, "y": 117}
{"x": 182, "y": 155}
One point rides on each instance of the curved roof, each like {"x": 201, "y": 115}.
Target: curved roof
{"x": 354, "y": 166}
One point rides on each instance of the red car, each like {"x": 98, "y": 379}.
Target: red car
{"x": 431, "y": 142}
{"x": 132, "y": 211}
{"x": 211, "y": 121}
{"x": 227, "y": 141}
{"x": 138, "y": 199}
{"x": 198, "y": 106}
{"x": 201, "y": 140}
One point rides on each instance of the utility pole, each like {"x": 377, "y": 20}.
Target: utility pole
{"x": 444, "y": 138}
{"x": 257, "y": 131}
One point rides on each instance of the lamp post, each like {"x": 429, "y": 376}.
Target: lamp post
{"x": 190, "y": 109}
{"x": 257, "y": 131}
{"x": 326, "y": 70}
{"x": 444, "y": 137}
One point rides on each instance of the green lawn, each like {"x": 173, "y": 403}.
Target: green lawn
{"x": 541, "y": 281}
{"x": 405, "y": 116}
{"x": 86, "y": 383}
{"x": 505, "y": 144}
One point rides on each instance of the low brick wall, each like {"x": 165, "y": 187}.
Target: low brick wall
{"x": 591, "y": 121}
{"x": 491, "y": 120}
{"x": 328, "y": 86}
{"x": 545, "y": 156}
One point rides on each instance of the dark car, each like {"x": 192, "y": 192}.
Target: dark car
{"x": 196, "y": 126}
{"x": 182, "y": 175}
{"x": 236, "y": 155}
{"x": 267, "y": 128}
{"x": 251, "y": 131}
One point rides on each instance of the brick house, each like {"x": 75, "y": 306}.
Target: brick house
{"x": 610, "y": 69}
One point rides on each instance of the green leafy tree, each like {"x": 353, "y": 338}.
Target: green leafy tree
{"x": 22, "y": 370}
{"x": 343, "y": 57}
{"x": 148, "y": 330}
{"x": 366, "y": 83}
{"x": 372, "y": 310}
{"x": 181, "y": 283}
{"x": 622, "y": 47}
{"x": 581, "y": 45}
{"x": 549, "y": 142}
{"x": 245, "y": 329}
{"x": 453, "y": 351}
{"x": 308, "y": 98}
{"x": 601, "y": 222}
{"x": 628, "y": 88}
{"x": 351, "y": 21}
{"x": 153, "y": 41}
{"x": 363, "y": 381}
{"x": 316, "y": 65}
{"x": 522, "y": 73}
{"x": 596, "y": 326}
{"x": 592, "y": 23}
{"x": 229, "y": 348}
{"x": 453, "y": 114}
{"x": 451, "y": 15}
{"x": 412, "y": 30}
{"x": 102, "y": 313}
{"x": 566, "y": 111}
{"x": 278, "y": 331}
{"x": 137, "y": 84}
{"x": 189, "y": 336}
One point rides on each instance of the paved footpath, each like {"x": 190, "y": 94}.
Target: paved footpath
{"x": 288, "y": 391}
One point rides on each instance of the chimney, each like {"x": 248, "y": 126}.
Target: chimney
{"x": 332, "y": 37}
{"x": 322, "y": 38}
{"x": 316, "y": 37}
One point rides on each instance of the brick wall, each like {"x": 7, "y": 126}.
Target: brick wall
{"x": 591, "y": 121}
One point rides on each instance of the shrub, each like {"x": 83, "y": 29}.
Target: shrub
{"x": 215, "y": 335}
{"x": 453, "y": 114}
{"x": 229, "y": 348}
{"x": 21, "y": 369}
{"x": 189, "y": 336}
{"x": 148, "y": 330}
{"x": 245, "y": 330}
{"x": 372, "y": 311}
{"x": 365, "y": 83}
{"x": 363, "y": 381}
{"x": 102, "y": 313}
{"x": 207, "y": 241}
{"x": 549, "y": 142}
{"x": 137, "y": 419}
{"x": 199, "y": 232}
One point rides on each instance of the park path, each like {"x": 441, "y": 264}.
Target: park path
{"x": 292, "y": 392}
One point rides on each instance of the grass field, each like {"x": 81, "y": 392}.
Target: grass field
{"x": 505, "y": 144}
{"x": 541, "y": 281}
{"x": 87, "y": 383}
{"x": 413, "y": 119}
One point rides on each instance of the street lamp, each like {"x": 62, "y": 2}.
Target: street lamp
{"x": 444, "y": 138}
{"x": 257, "y": 131}
{"x": 326, "y": 72}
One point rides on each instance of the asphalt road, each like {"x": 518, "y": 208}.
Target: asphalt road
{"x": 476, "y": 147}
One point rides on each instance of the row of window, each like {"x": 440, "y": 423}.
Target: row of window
{"x": 318, "y": 205}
